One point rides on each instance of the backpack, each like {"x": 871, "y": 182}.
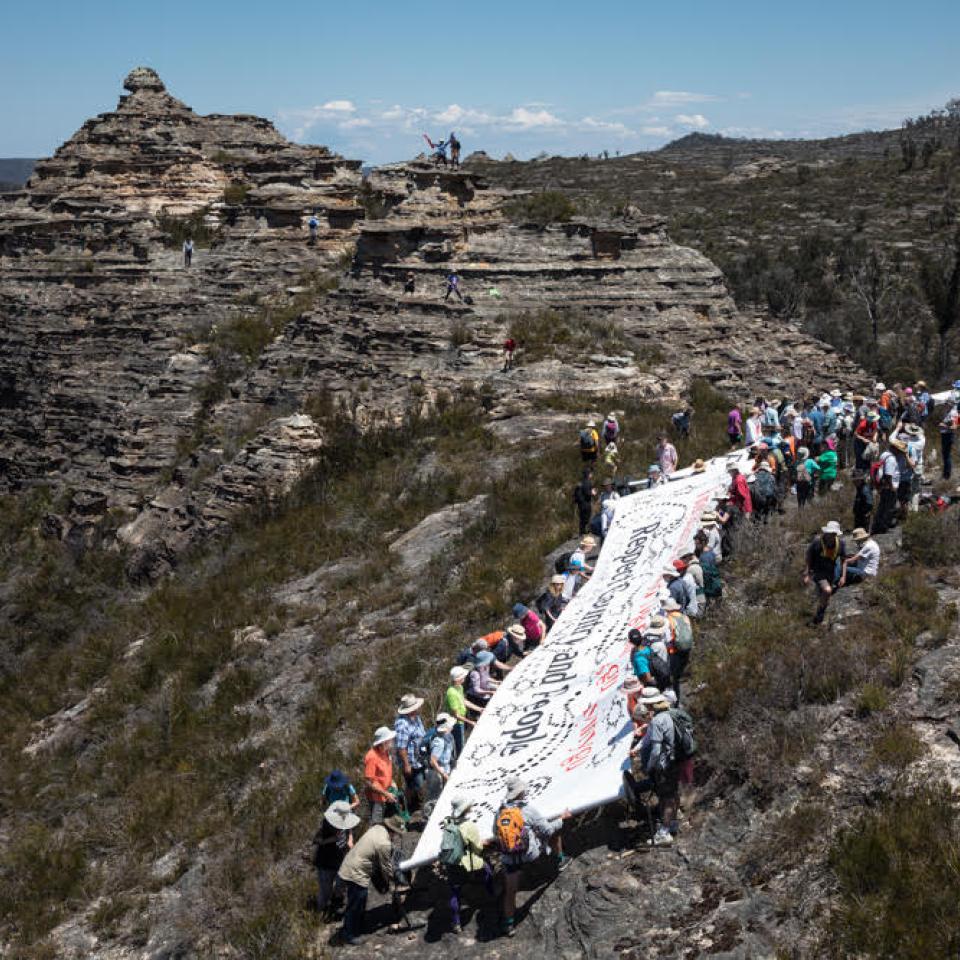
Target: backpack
{"x": 809, "y": 432}
{"x": 512, "y": 833}
{"x": 886, "y": 418}
{"x": 764, "y": 487}
{"x": 660, "y": 671}
{"x": 588, "y": 442}
{"x": 712, "y": 581}
{"x": 684, "y": 743}
{"x": 561, "y": 563}
{"x": 452, "y": 847}
{"x": 609, "y": 430}
{"x": 803, "y": 474}
{"x": 682, "y": 633}
{"x": 876, "y": 473}
{"x": 423, "y": 747}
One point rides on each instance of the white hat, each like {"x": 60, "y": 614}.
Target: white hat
{"x": 383, "y": 735}
{"x": 835, "y": 393}
{"x": 591, "y": 423}
{"x": 832, "y": 527}
{"x": 517, "y": 632}
{"x": 656, "y": 697}
{"x": 409, "y": 704}
{"x": 670, "y": 696}
{"x": 879, "y": 387}
{"x": 459, "y": 806}
{"x": 445, "y": 722}
{"x": 669, "y": 570}
{"x": 459, "y": 673}
{"x": 516, "y": 788}
{"x": 611, "y": 416}
{"x": 340, "y": 816}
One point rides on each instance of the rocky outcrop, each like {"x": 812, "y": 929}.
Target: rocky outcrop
{"x": 112, "y": 363}
{"x": 99, "y": 368}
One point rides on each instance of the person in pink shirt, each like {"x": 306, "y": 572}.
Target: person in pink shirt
{"x": 735, "y": 426}
{"x": 533, "y": 626}
{"x": 666, "y": 455}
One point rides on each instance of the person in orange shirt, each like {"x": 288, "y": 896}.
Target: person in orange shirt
{"x": 378, "y": 773}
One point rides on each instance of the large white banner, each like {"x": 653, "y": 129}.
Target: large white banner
{"x": 559, "y": 719}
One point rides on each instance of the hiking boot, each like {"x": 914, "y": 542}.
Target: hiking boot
{"x": 563, "y": 861}
{"x": 662, "y": 838}
{"x": 508, "y": 929}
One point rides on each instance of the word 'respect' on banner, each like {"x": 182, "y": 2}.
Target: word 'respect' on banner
{"x": 559, "y": 718}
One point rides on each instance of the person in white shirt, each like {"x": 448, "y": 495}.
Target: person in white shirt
{"x": 865, "y": 563}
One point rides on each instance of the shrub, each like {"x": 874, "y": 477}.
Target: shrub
{"x": 896, "y": 746}
{"x": 564, "y": 333}
{"x": 195, "y": 226}
{"x": 236, "y": 193}
{"x": 872, "y": 699}
{"x": 898, "y": 870}
{"x": 933, "y": 539}
{"x": 541, "y": 209}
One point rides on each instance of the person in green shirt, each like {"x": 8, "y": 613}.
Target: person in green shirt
{"x": 456, "y": 704}
{"x": 827, "y": 462}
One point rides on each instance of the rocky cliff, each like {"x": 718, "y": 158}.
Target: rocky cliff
{"x": 113, "y": 371}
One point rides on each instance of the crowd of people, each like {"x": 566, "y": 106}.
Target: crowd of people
{"x": 794, "y": 448}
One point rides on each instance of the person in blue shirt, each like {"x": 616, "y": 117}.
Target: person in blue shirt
{"x": 337, "y": 788}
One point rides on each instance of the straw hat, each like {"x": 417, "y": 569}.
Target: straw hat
{"x": 860, "y": 534}
{"x": 631, "y": 685}
{"x": 699, "y": 466}
{"x": 409, "y": 704}
{"x": 558, "y": 580}
{"x": 898, "y": 444}
{"x": 340, "y": 816}
{"x": 517, "y": 632}
{"x": 395, "y": 824}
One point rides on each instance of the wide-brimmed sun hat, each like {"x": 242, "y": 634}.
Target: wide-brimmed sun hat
{"x": 632, "y": 685}
{"x": 409, "y": 704}
{"x": 860, "y": 534}
{"x": 383, "y": 735}
{"x": 459, "y": 806}
{"x": 517, "y": 632}
{"x": 832, "y": 527}
{"x": 395, "y": 824}
{"x": 340, "y": 816}
{"x": 459, "y": 673}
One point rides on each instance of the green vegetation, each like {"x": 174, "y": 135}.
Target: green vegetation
{"x": 541, "y": 209}
{"x": 195, "y": 226}
{"x": 932, "y": 539}
{"x": 564, "y": 333}
{"x": 171, "y": 747}
{"x": 236, "y": 193}
{"x": 898, "y": 871}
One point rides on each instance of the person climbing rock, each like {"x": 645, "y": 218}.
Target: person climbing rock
{"x": 410, "y": 283}
{"x": 313, "y": 225}
{"x": 188, "y": 251}
{"x": 521, "y": 832}
{"x": 824, "y": 557}
{"x": 370, "y": 860}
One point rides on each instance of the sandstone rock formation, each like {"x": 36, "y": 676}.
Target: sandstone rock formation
{"x": 110, "y": 373}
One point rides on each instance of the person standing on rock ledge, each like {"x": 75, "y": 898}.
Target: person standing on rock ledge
{"x": 453, "y": 286}
{"x": 454, "y": 145}
{"x": 188, "y": 251}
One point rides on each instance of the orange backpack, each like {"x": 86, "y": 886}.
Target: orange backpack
{"x": 511, "y": 830}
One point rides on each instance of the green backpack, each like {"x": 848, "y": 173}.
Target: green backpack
{"x": 452, "y": 847}
{"x": 682, "y": 632}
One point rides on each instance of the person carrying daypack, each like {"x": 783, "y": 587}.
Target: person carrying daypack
{"x": 461, "y": 856}
{"x": 649, "y": 666}
{"x": 679, "y": 642}
{"x": 712, "y": 580}
{"x": 657, "y": 751}
{"x": 684, "y": 743}
{"x": 313, "y": 224}
{"x": 763, "y": 492}
{"x": 589, "y": 443}
{"x": 520, "y": 830}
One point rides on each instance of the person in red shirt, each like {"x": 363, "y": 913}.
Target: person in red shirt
{"x": 739, "y": 492}
{"x": 509, "y": 345}
{"x": 378, "y": 773}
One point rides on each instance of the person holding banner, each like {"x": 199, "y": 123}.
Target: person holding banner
{"x": 520, "y": 831}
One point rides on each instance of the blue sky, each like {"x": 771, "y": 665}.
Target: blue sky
{"x": 523, "y": 76}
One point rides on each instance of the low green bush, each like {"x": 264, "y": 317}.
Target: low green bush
{"x": 898, "y": 871}
{"x": 541, "y": 209}
{"x": 933, "y": 539}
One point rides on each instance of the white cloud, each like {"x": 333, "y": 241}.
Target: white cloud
{"x": 527, "y": 119}
{"x": 674, "y": 98}
{"x": 656, "y": 131}
{"x": 696, "y": 120}
{"x": 355, "y": 122}
{"x": 339, "y": 106}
